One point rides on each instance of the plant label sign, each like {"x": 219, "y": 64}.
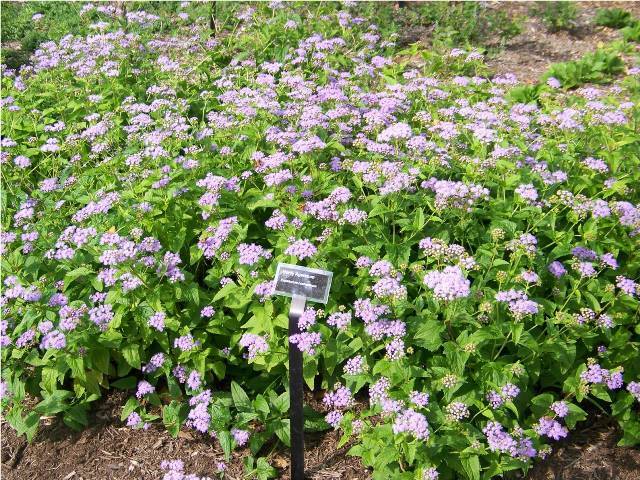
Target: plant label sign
{"x": 301, "y": 284}
{"x": 311, "y": 283}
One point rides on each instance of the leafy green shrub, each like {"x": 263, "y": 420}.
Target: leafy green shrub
{"x": 483, "y": 237}
{"x": 557, "y": 15}
{"x": 613, "y": 17}
{"x": 631, "y": 33}
{"x": 600, "y": 66}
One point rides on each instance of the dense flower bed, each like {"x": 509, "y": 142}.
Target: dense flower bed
{"x": 484, "y": 249}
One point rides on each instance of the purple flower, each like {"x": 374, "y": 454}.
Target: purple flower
{"x": 419, "y": 399}
{"x": 306, "y": 341}
{"x": 561, "y": 409}
{"x": 185, "y": 343}
{"x": 255, "y": 345}
{"x": 448, "y": 284}
{"x": 301, "y": 249}
{"x": 510, "y": 391}
{"x": 155, "y": 363}
{"x": 54, "y": 339}
{"x": 340, "y": 398}
{"x": 157, "y": 321}
{"x": 334, "y": 418}
{"x": 101, "y": 315}
{"x": 551, "y": 428}
{"x": 339, "y": 320}
{"x": 354, "y": 365}
{"x": 457, "y": 411}
{"x": 193, "y": 381}
{"x": 241, "y": 437}
{"x": 207, "y": 312}
{"x": 134, "y": 420}
{"x": 144, "y": 388}
{"x": 627, "y": 285}
{"x": 413, "y": 423}
{"x": 557, "y": 269}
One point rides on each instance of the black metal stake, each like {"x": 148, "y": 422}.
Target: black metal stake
{"x": 296, "y": 392}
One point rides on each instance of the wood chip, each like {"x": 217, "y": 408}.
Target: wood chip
{"x": 69, "y": 475}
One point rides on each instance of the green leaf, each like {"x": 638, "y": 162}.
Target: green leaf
{"x": 224, "y": 437}
{"x": 471, "y": 467}
{"x": 240, "y": 398}
{"x": 131, "y": 353}
{"x": 54, "y": 403}
{"x": 428, "y": 335}
{"x": 282, "y": 431}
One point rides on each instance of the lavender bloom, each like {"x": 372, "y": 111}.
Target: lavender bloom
{"x": 557, "y": 269}
{"x": 628, "y": 286}
{"x": 134, "y": 420}
{"x": 413, "y": 423}
{"x": 185, "y": 343}
{"x": 561, "y": 409}
{"x": 255, "y": 345}
{"x": 101, "y": 315}
{"x": 306, "y": 341}
{"x": 339, "y": 320}
{"x": 419, "y": 399}
{"x": 301, "y": 249}
{"x": 54, "y": 339}
{"x": 354, "y": 365}
{"x": 634, "y": 389}
{"x": 340, "y": 398}
{"x": 26, "y": 338}
{"x": 155, "y": 363}
{"x": 157, "y": 321}
{"x": 144, "y": 388}
{"x": 551, "y": 428}
{"x": 241, "y": 437}
{"x": 457, "y": 411}
{"x": 448, "y": 284}
{"x": 193, "y": 381}
{"x": 334, "y": 418}
{"x": 207, "y": 312}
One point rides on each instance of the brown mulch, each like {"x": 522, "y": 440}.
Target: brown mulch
{"x": 532, "y": 52}
{"x": 109, "y": 450}
{"x": 590, "y": 453}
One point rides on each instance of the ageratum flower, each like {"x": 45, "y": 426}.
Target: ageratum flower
{"x": 448, "y": 284}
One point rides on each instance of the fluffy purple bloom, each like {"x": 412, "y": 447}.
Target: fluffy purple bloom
{"x": 134, "y": 420}
{"x": 101, "y": 315}
{"x": 255, "y": 345}
{"x": 241, "y": 437}
{"x": 54, "y": 339}
{"x": 448, "y": 284}
{"x": 551, "y": 428}
{"x": 413, "y": 423}
{"x": 557, "y": 269}
{"x": 157, "y": 321}
{"x": 301, "y": 249}
{"x": 561, "y": 409}
{"x": 354, "y": 365}
{"x": 144, "y": 388}
{"x": 193, "y": 380}
{"x": 306, "y": 341}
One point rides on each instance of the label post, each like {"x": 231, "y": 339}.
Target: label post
{"x": 301, "y": 284}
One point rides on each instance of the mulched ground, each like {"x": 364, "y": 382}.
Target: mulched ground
{"x": 530, "y": 53}
{"x": 109, "y": 450}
